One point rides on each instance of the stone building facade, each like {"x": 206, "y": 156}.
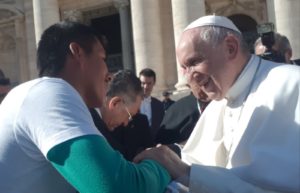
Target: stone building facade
{"x": 141, "y": 33}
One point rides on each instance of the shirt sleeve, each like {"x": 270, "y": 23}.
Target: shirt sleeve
{"x": 53, "y": 112}
{"x": 91, "y": 165}
{"x": 208, "y": 179}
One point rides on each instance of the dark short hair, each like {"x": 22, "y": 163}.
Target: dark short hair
{"x": 53, "y": 48}
{"x": 125, "y": 84}
{"x": 148, "y": 73}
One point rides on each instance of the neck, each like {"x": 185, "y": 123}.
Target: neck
{"x": 75, "y": 80}
{"x": 244, "y": 59}
{"x": 146, "y": 96}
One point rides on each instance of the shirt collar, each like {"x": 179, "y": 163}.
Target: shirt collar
{"x": 99, "y": 112}
{"x": 147, "y": 99}
{"x": 240, "y": 87}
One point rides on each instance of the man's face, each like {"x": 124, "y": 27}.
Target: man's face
{"x": 207, "y": 68}
{"x": 96, "y": 76}
{"x": 121, "y": 113}
{"x": 147, "y": 84}
{"x": 259, "y": 49}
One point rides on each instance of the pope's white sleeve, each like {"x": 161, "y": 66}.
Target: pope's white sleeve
{"x": 209, "y": 179}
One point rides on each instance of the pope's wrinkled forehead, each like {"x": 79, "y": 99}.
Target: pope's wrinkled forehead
{"x": 189, "y": 37}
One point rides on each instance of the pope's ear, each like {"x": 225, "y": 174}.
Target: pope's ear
{"x": 114, "y": 102}
{"x": 232, "y": 46}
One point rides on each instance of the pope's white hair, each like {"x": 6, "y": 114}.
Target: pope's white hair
{"x": 214, "y": 35}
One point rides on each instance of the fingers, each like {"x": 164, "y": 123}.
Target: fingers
{"x": 139, "y": 157}
{"x": 150, "y": 153}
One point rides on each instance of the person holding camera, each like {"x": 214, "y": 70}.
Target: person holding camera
{"x": 281, "y": 49}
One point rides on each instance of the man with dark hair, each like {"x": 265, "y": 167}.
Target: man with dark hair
{"x": 151, "y": 106}
{"x": 48, "y": 140}
{"x": 123, "y": 100}
{"x": 124, "y": 94}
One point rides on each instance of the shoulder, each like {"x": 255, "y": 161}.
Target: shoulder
{"x": 187, "y": 100}
{"x": 41, "y": 90}
{"x": 278, "y": 84}
{"x": 281, "y": 74}
{"x": 54, "y": 84}
{"x": 184, "y": 107}
{"x": 141, "y": 117}
{"x": 156, "y": 101}
{"x": 52, "y": 95}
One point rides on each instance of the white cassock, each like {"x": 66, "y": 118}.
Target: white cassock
{"x": 250, "y": 141}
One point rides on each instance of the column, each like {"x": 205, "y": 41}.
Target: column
{"x": 20, "y": 49}
{"x": 45, "y": 14}
{"x": 184, "y": 12}
{"x": 148, "y": 39}
{"x": 271, "y": 11}
{"x": 288, "y": 22}
{"x": 30, "y": 40}
{"x": 127, "y": 48}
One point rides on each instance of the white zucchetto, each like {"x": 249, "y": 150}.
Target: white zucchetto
{"x": 213, "y": 20}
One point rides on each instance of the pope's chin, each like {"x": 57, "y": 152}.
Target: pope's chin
{"x": 212, "y": 96}
{"x": 215, "y": 96}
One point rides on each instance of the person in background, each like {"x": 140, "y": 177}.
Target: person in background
{"x": 247, "y": 139}
{"x": 117, "y": 118}
{"x": 48, "y": 140}
{"x": 167, "y": 101}
{"x": 281, "y": 46}
{"x": 151, "y": 106}
{"x": 180, "y": 120}
{"x": 4, "y": 85}
{"x": 123, "y": 99}
{"x": 135, "y": 137}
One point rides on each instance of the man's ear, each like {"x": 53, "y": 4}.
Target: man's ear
{"x": 288, "y": 54}
{"x": 232, "y": 46}
{"x": 115, "y": 102}
{"x": 75, "y": 49}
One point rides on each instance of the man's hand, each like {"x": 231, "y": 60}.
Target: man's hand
{"x": 167, "y": 158}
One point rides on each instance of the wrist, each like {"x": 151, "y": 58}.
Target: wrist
{"x": 183, "y": 175}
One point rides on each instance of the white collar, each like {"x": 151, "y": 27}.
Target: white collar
{"x": 147, "y": 99}
{"x": 239, "y": 90}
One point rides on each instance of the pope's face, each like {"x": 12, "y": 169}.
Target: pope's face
{"x": 205, "y": 66}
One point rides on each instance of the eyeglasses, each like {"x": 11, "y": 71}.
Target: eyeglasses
{"x": 188, "y": 70}
{"x": 129, "y": 114}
